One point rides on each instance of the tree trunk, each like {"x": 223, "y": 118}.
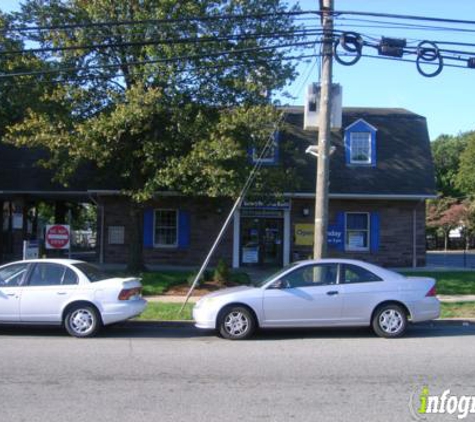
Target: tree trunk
{"x": 135, "y": 260}
{"x": 446, "y": 240}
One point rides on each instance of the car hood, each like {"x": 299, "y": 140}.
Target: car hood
{"x": 230, "y": 291}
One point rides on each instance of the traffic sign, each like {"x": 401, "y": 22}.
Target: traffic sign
{"x": 57, "y": 236}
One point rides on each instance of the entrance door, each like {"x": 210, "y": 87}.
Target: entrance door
{"x": 262, "y": 241}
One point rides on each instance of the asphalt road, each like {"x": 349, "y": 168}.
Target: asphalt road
{"x": 151, "y": 373}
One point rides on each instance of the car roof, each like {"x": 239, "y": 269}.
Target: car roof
{"x": 48, "y": 260}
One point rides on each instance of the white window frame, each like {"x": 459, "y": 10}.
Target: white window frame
{"x": 161, "y": 245}
{"x": 350, "y": 248}
{"x": 353, "y": 138}
{"x": 270, "y": 159}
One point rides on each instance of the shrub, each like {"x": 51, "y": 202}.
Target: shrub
{"x": 221, "y": 272}
{"x": 191, "y": 278}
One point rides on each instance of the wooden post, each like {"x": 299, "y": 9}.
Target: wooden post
{"x": 324, "y": 134}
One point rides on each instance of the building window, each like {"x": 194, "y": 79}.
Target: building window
{"x": 271, "y": 155}
{"x": 166, "y": 228}
{"x": 116, "y": 235}
{"x": 357, "y": 231}
{"x": 360, "y": 148}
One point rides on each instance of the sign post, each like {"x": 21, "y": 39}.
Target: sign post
{"x": 58, "y": 237}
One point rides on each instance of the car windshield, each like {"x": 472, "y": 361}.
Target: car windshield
{"x": 264, "y": 281}
{"x": 92, "y": 273}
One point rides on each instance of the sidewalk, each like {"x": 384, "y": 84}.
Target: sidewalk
{"x": 194, "y": 299}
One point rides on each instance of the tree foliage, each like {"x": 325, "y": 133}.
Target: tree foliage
{"x": 129, "y": 106}
{"x": 446, "y": 151}
{"x": 465, "y": 180}
{"x": 173, "y": 104}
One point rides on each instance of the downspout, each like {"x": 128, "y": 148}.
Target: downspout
{"x": 101, "y": 237}
{"x": 414, "y": 234}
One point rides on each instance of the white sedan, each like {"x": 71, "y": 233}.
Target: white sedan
{"x": 68, "y": 292}
{"x": 322, "y": 293}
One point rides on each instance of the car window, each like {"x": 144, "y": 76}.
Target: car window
{"x": 312, "y": 275}
{"x": 48, "y": 274}
{"x": 12, "y": 275}
{"x": 91, "y": 272}
{"x": 69, "y": 277}
{"x": 354, "y": 274}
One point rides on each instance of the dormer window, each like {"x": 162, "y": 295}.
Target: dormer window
{"x": 360, "y": 148}
{"x": 271, "y": 155}
{"x": 360, "y": 144}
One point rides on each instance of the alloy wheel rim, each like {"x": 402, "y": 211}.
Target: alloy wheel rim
{"x": 82, "y": 321}
{"x": 391, "y": 321}
{"x": 236, "y": 323}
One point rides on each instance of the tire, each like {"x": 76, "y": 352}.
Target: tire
{"x": 390, "y": 321}
{"x": 236, "y": 323}
{"x": 82, "y": 321}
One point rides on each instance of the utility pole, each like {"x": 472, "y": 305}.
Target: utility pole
{"x": 324, "y": 133}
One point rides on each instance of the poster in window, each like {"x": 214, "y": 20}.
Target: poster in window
{"x": 356, "y": 240}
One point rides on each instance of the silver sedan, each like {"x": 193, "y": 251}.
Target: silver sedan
{"x": 323, "y": 293}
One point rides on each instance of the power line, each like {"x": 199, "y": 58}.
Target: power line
{"x": 192, "y": 40}
{"x": 92, "y": 76}
{"x": 188, "y": 19}
{"x": 156, "y": 61}
{"x": 404, "y": 17}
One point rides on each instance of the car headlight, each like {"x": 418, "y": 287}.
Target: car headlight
{"x": 204, "y": 301}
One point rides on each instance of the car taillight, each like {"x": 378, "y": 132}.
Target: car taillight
{"x": 126, "y": 294}
{"x": 431, "y": 292}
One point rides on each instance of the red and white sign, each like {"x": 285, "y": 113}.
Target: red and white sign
{"x": 57, "y": 237}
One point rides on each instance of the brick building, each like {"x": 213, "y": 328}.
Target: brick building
{"x": 381, "y": 173}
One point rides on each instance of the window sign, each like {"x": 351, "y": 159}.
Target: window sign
{"x": 357, "y": 231}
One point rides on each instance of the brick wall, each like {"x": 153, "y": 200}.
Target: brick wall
{"x": 206, "y": 219}
{"x": 396, "y": 230}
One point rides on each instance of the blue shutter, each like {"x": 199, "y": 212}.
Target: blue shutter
{"x": 183, "y": 229}
{"x": 148, "y": 228}
{"x": 374, "y": 232}
{"x": 373, "y": 149}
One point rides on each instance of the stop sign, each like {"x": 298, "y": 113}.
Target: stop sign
{"x": 57, "y": 237}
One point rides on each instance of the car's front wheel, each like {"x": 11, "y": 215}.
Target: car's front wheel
{"x": 236, "y": 323}
{"x": 390, "y": 321}
{"x": 82, "y": 321}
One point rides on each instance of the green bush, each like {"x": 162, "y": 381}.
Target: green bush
{"x": 191, "y": 278}
{"x": 221, "y": 272}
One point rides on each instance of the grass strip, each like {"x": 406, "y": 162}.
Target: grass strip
{"x": 449, "y": 282}
{"x": 160, "y": 311}
{"x": 458, "y": 310}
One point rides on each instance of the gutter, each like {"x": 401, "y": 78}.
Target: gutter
{"x": 389, "y": 197}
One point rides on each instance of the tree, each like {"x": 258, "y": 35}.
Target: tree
{"x": 167, "y": 101}
{"x": 465, "y": 179}
{"x": 446, "y": 214}
{"x": 16, "y": 95}
{"x": 446, "y": 151}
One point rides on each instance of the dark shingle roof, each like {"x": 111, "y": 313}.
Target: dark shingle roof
{"x": 404, "y": 160}
{"x": 20, "y": 172}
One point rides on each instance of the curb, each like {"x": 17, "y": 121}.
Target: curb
{"x": 190, "y": 323}
{"x": 162, "y": 323}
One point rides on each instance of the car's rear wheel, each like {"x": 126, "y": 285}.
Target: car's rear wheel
{"x": 390, "y": 321}
{"x": 82, "y": 321}
{"x": 236, "y": 323}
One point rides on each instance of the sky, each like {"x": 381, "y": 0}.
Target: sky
{"x": 447, "y": 100}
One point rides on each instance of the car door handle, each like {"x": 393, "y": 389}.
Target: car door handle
{"x": 11, "y": 294}
{"x": 61, "y": 293}
{"x": 332, "y": 292}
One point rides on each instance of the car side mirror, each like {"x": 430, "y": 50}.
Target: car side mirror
{"x": 280, "y": 284}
